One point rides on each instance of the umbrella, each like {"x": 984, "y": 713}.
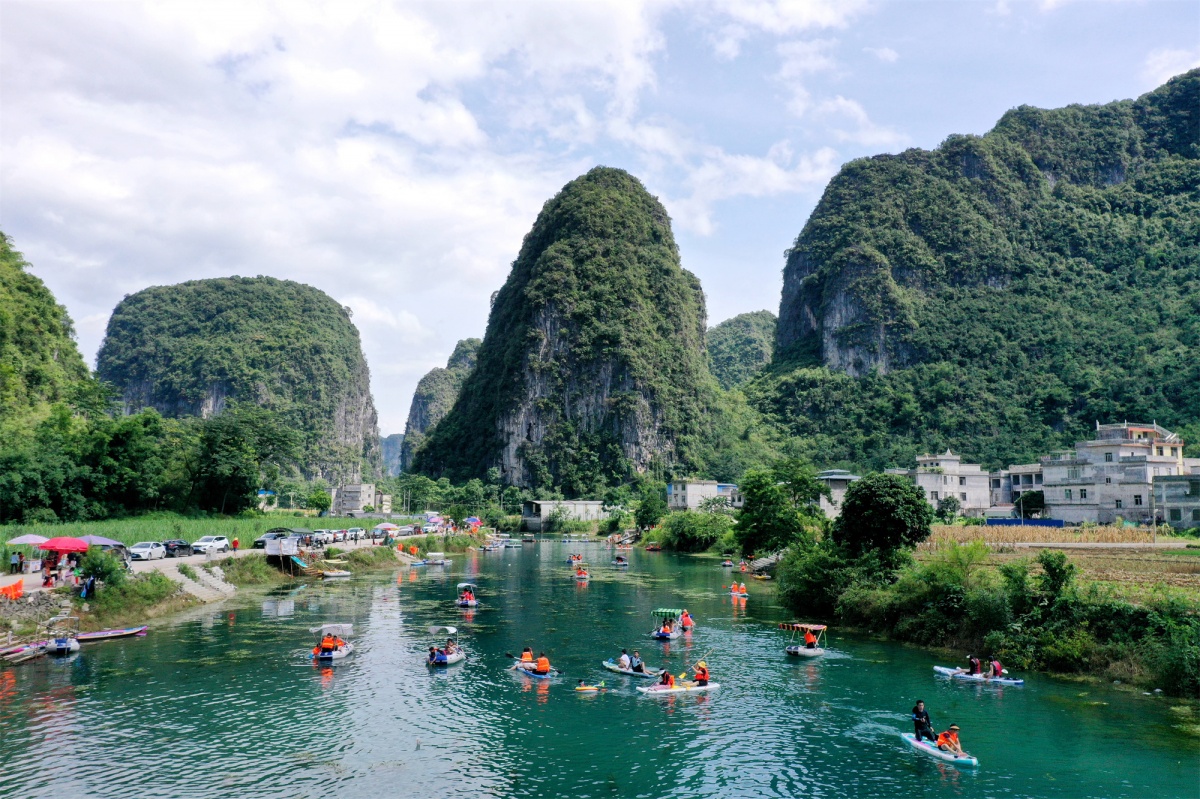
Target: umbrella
{"x": 100, "y": 541}
{"x": 473, "y": 520}
{"x": 64, "y": 545}
{"x": 27, "y": 539}
{"x": 435, "y": 520}
{"x": 387, "y": 526}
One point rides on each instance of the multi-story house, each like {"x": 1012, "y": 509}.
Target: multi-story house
{"x": 1177, "y": 498}
{"x": 838, "y": 481}
{"x": 689, "y": 494}
{"x": 1009, "y": 485}
{"x": 1111, "y": 475}
{"x": 945, "y": 475}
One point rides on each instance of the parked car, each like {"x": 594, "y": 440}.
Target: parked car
{"x": 177, "y": 548}
{"x": 211, "y": 543}
{"x": 323, "y": 536}
{"x": 261, "y": 541}
{"x": 339, "y": 535}
{"x": 356, "y": 533}
{"x": 147, "y": 550}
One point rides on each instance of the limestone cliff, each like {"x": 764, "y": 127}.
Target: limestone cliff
{"x": 434, "y": 397}
{"x": 190, "y": 348}
{"x": 740, "y": 347}
{"x": 390, "y": 449}
{"x": 593, "y": 364}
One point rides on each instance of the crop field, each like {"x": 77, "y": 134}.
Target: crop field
{"x": 945, "y": 533}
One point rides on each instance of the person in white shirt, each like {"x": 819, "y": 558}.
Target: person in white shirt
{"x": 623, "y": 661}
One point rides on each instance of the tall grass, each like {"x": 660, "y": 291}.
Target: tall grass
{"x": 996, "y": 536}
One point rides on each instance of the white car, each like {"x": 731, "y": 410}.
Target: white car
{"x": 147, "y": 550}
{"x": 211, "y": 543}
{"x": 356, "y": 534}
{"x": 323, "y": 536}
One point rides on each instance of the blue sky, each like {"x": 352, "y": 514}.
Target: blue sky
{"x": 395, "y": 154}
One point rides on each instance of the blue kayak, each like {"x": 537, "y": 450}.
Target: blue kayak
{"x": 531, "y": 673}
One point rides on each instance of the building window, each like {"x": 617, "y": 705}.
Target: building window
{"x": 1119, "y": 504}
{"x": 1160, "y": 451}
{"x": 946, "y": 480}
{"x": 962, "y": 481}
{"x": 1175, "y": 514}
{"x": 1083, "y": 493}
{"x": 1066, "y": 493}
{"x": 933, "y": 495}
{"x": 1137, "y": 499}
{"x": 1073, "y": 473}
{"x": 995, "y": 483}
{"x": 964, "y": 496}
{"x": 1037, "y": 478}
{"x": 1108, "y": 479}
{"x": 1108, "y": 457}
{"x": 1174, "y": 451}
{"x": 1196, "y": 514}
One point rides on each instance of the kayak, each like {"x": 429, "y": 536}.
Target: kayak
{"x": 680, "y": 688}
{"x": 738, "y": 594}
{"x": 946, "y": 671}
{"x": 451, "y": 659}
{"x": 531, "y": 673}
{"x": 805, "y": 652}
{"x": 611, "y": 665}
{"x": 930, "y": 748}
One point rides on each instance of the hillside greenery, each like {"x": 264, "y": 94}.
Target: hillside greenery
{"x": 594, "y": 347}
{"x": 1020, "y": 286}
{"x": 187, "y": 349}
{"x": 435, "y": 395}
{"x": 740, "y": 347}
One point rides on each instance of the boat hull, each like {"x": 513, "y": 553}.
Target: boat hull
{"x": 653, "y": 674}
{"x": 341, "y": 653}
{"x": 531, "y": 673}
{"x": 661, "y": 636}
{"x": 457, "y": 657}
{"x": 946, "y": 671}
{"x": 805, "y": 652}
{"x": 689, "y": 688}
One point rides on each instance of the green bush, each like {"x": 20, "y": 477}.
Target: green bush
{"x": 690, "y": 531}
{"x": 106, "y": 567}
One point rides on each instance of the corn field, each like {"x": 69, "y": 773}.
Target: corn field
{"x": 998, "y": 536}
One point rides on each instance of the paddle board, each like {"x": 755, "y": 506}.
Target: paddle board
{"x": 611, "y": 665}
{"x": 946, "y": 671}
{"x": 930, "y": 748}
{"x": 680, "y": 688}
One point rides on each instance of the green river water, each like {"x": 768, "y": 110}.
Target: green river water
{"x": 222, "y": 702}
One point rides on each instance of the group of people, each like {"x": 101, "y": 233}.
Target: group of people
{"x": 633, "y": 663}
{"x": 539, "y": 666}
{"x": 468, "y": 595}
{"x": 700, "y": 676}
{"x": 923, "y": 728}
{"x": 442, "y": 654}
{"x": 329, "y": 644}
{"x": 975, "y": 667}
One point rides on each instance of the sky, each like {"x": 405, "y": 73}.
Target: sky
{"x": 395, "y": 154}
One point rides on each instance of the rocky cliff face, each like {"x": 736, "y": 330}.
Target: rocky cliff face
{"x": 190, "y": 349}
{"x": 593, "y": 365}
{"x": 436, "y": 394}
{"x": 390, "y": 448}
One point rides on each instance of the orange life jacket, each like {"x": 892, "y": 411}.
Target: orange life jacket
{"x": 526, "y": 656}
{"x": 948, "y": 738}
{"x": 809, "y": 638}
{"x": 701, "y": 675}
{"x": 670, "y": 683}
{"x": 328, "y": 642}
{"x": 543, "y": 665}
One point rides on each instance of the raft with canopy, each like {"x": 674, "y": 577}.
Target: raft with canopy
{"x": 467, "y": 603}
{"x": 441, "y": 657}
{"x": 342, "y": 631}
{"x": 663, "y": 617}
{"x": 798, "y": 628}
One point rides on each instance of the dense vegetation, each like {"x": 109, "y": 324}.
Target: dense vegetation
{"x": 435, "y": 395}
{"x": 189, "y": 349}
{"x": 390, "y": 448}
{"x": 592, "y": 369}
{"x": 740, "y": 347}
{"x": 1001, "y": 293}
{"x": 39, "y": 362}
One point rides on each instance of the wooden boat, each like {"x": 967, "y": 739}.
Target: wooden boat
{"x": 798, "y": 628}
{"x": 108, "y": 635}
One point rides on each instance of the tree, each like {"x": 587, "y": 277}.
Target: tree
{"x": 652, "y": 505}
{"x": 798, "y": 479}
{"x": 882, "y": 514}
{"x": 1031, "y": 503}
{"x": 715, "y": 505}
{"x": 320, "y": 501}
{"x": 947, "y": 509}
{"x": 690, "y": 531}
{"x": 768, "y": 520}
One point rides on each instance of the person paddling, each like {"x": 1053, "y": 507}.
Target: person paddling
{"x": 995, "y": 669}
{"x": 543, "y": 664}
{"x": 948, "y": 741}
{"x": 667, "y": 679}
{"x": 702, "y": 673}
{"x": 921, "y": 723}
{"x": 526, "y": 656}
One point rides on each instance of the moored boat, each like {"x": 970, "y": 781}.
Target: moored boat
{"x": 61, "y": 635}
{"x": 436, "y": 559}
{"x": 336, "y": 574}
{"x": 108, "y": 635}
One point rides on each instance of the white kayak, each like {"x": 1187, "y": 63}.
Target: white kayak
{"x": 611, "y": 665}
{"x": 955, "y": 674}
{"x": 680, "y": 688}
{"x": 930, "y": 748}
{"x": 451, "y": 659}
{"x": 805, "y": 652}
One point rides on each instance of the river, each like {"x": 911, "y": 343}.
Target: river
{"x": 222, "y": 702}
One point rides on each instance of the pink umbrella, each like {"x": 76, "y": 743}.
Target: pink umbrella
{"x": 64, "y": 545}
{"x": 27, "y": 539}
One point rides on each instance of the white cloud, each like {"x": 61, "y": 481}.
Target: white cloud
{"x": 798, "y": 60}
{"x": 840, "y": 110}
{"x": 884, "y": 54}
{"x": 1166, "y": 63}
{"x": 776, "y": 18}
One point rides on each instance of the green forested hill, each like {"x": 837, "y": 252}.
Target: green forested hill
{"x": 39, "y": 362}
{"x": 190, "y": 348}
{"x": 1001, "y": 293}
{"x": 740, "y": 347}
{"x": 592, "y": 367}
{"x": 434, "y": 396}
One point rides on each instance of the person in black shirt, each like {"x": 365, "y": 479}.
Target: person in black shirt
{"x": 921, "y": 724}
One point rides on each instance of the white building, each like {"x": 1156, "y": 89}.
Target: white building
{"x": 536, "y": 513}
{"x": 839, "y": 481}
{"x": 1177, "y": 497}
{"x": 1008, "y": 485}
{"x": 1111, "y": 475}
{"x": 689, "y": 494}
{"x": 945, "y": 475}
{"x": 352, "y": 498}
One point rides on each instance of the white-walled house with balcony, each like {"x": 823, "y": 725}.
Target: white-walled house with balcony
{"x": 945, "y": 475}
